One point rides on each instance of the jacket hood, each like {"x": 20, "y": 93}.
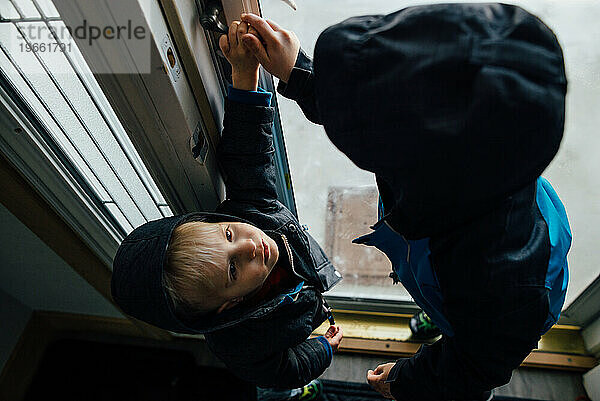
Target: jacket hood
{"x": 451, "y": 103}
{"x": 137, "y": 284}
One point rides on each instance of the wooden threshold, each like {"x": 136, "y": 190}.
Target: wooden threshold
{"x": 402, "y": 349}
{"x": 550, "y": 360}
{"x": 388, "y": 334}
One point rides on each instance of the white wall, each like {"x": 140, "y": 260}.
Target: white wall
{"x": 37, "y": 277}
{"x": 591, "y": 382}
{"x": 591, "y": 337}
{"x": 14, "y": 317}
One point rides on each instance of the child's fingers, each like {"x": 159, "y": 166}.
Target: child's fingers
{"x": 224, "y": 44}
{"x": 338, "y": 337}
{"x": 242, "y": 30}
{"x": 233, "y": 33}
{"x": 264, "y": 29}
{"x": 254, "y": 32}
{"x": 253, "y": 44}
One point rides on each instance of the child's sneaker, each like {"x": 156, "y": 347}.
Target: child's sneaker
{"x": 422, "y": 327}
{"x": 311, "y": 392}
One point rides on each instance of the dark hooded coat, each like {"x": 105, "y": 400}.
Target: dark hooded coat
{"x": 457, "y": 109}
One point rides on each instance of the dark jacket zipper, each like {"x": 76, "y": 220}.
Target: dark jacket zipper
{"x": 324, "y": 305}
{"x": 290, "y": 257}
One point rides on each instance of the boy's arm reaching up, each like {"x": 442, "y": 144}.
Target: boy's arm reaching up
{"x": 246, "y": 152}
{"x": 278, "y": 50}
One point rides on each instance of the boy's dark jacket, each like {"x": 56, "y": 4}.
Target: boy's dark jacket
{"x": 457, "y": 109}
{"x": 266, "y": 343}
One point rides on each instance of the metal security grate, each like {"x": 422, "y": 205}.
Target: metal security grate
{"x": 49, "y": 73}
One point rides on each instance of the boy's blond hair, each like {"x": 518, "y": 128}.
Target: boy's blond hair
{"x": 193, "y": 258}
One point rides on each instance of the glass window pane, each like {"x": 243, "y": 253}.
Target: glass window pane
{"x": 117, "y": 214}
{"x": 7, "y": 10}
{"x": 26, "y": 8}
{"x": 43, "y": 115}
{"x": 334, "y": 198}
{"x": 50, "y": 74}
{"x": 325, "y": 181}
{"x": 48, "y": 8}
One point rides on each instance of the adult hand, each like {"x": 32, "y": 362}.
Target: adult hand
{"x": 334, "y": 337}
{"x": 378, "y": 377}
{"x": 278, "y": 49}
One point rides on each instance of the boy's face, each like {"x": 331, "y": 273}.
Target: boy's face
{"x": 250, "y": 256}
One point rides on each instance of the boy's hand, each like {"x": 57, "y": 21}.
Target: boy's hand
{"x": 277, "y": 51}
{"x": 334, "y": 337}
{"x": 378, "y": 377}
{"x": 244, "y": 66}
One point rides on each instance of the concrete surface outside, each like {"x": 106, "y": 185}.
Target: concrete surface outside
{"x": 350, "y": 213}
{"x": 318, "y": 168}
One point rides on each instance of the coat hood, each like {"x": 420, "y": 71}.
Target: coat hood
{"x": 450, "y": 104}
{"x": 137, "y": 283}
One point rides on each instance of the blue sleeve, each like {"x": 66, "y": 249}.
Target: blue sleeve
{"x": 258, "y": 97}
{"x": 324, "y": 341}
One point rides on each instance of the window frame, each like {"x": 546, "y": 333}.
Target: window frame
{"x": 160, "y": 114}
{"x": 26, "y": 146}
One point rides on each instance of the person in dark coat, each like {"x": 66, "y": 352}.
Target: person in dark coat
{"x": 457, "y": 109}
{"x": 247, "y": 276}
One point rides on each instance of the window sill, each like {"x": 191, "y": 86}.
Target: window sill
{"x": 389, "y": 334}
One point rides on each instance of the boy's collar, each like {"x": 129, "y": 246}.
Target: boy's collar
{"x": 283, "y": 246}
